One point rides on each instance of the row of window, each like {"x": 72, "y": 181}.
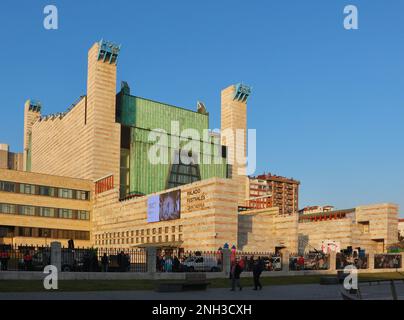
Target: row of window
{"x": 31, "y": 189}
{"x": 44, "y": 212}
{"x": 142, "y": 232}
{"x": 139, "y": 240}
{"x": 46, "y": 233}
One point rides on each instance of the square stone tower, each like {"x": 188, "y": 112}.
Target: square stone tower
{"x": 234, "y": 133}
{"x": 84, "y": 141}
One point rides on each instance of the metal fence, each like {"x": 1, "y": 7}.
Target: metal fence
{"x": 388, "y": 261}
{"x": 177, "y": 260}
{"x": 271, "y": 261}
{"x": 104, "y": 260}
{"x": 24, "y": 257}
{"x": 360, "y": 261}
{"x": 309, "y": 261}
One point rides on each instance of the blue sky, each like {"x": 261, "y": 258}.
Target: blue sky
{"x": 327, "y": 103}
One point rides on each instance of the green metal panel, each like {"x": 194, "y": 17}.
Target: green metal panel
{"x": 144, "y": 115}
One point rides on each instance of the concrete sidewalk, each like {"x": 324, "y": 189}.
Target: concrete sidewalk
{"x": 286, "y": 292}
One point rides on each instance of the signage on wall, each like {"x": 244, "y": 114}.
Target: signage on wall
{"x": 196, "y": 199}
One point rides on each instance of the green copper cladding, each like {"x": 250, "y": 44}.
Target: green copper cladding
{"x": 142, "y": 116}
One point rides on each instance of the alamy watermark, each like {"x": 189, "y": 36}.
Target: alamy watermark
{"x": 191, "y": 146}
{"x": 51, "y": 20}
{"x": 50, "y": 282}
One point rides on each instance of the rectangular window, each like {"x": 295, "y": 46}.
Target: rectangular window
{"x": 27, "y": 211}
{"x": 8, "y": 208}
{"x": 82, "y": 195}
{"x": 66, "y": 193}
{"x": 83, "y": 215}
{"x": 65, "y": 214}
{"x": 27, "y": 188}
{"x": 47, "y": 212}
{"x": 7, "y": 186}
{"x": 47, "y": 191}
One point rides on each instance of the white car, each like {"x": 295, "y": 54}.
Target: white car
{"x": 201, "y": 263}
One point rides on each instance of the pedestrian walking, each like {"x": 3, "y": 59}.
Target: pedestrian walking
{"x": 257, "y": 271}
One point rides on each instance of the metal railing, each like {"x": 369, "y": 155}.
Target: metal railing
{"x": 24, "y": 257}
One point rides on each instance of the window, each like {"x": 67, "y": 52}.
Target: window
{"x": 65, "y": 213}
{"x": 181, "y": 174}
{"x": 7, "y": 186}
{"x": 180, "y": 228}
{"x": 27, "y": 188}
{"x": 83, "y": 215}
{"x": 46, "y": 212}
{"x": 27, "y": 210}
{"x": 46, "y": 191}
{"x": 173, "y": 229}
{"x": 7, "y": 208}
{"x": 82, "y": 195}
{"x": 66, "y": 193}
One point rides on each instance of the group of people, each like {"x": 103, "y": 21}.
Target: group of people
{"x": 239, "y": 265}
{"x": 4, "y": 258}
{"x": 167, "y": 263}
{"x": 122, "y": 261}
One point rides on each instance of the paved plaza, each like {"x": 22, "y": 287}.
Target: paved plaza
{"x": 286, "y": 292}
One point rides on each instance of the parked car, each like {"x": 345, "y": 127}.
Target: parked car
{"x": 201, "y": 263}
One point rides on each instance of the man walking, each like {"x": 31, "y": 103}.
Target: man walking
{"x": 235, "y": 273}
{"x": 257, "y": 270}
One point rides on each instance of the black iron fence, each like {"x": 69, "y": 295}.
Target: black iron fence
{"x": 388, "y": 261}
{"x": 24, "y": 257}
{"x": 360, "y": 261}
{"x": 104, "y": 260}
{"x": 35, "y": 258}
{"x": 309, "y": 261}
{"x": 270, "y": 261}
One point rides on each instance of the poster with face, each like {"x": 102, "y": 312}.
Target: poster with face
{"x": 170, "y": 204}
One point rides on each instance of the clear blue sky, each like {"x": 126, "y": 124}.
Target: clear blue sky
{"x": 328, "y": 104}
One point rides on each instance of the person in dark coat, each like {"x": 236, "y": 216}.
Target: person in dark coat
{"x": 235, "y": 273}
{"x": 257, "y": 270}
{"x": 105, "y": 262}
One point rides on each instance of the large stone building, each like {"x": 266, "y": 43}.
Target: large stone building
{"x": 89, "y": 176}
{"x": 10, "y": 160}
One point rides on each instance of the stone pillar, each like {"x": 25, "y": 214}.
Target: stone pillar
{"x": 333, "y": 261}
{"x": 151, "y": 258}
{"x": 285, "y": 261}
{"x": 56, "y": 255}
{"x": 371, "y": 261}
{"x": 226, "y": 261}
{"x": 402, "y": 262}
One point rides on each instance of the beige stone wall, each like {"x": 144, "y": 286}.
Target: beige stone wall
{"x": 206, "y": 228}
{"x": 266, "y": 230}
{"x": 44, "y": 201}
{"x": 350, "y": 231}
{"x": 85, "y": 143}
{"x": 234, "y": 117}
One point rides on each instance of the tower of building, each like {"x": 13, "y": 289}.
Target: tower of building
{"x": 234, "y": 133}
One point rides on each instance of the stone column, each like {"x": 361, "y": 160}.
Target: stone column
{"x": 333, "y": 261}
{"x": 402, "y": 262}
{"x": 371, "y": 261}
{"x": 285, "y": 261}
{"x": 56, "y": 255}
{"x": 226, "y": 261}
{"x": 151, "y": 257}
